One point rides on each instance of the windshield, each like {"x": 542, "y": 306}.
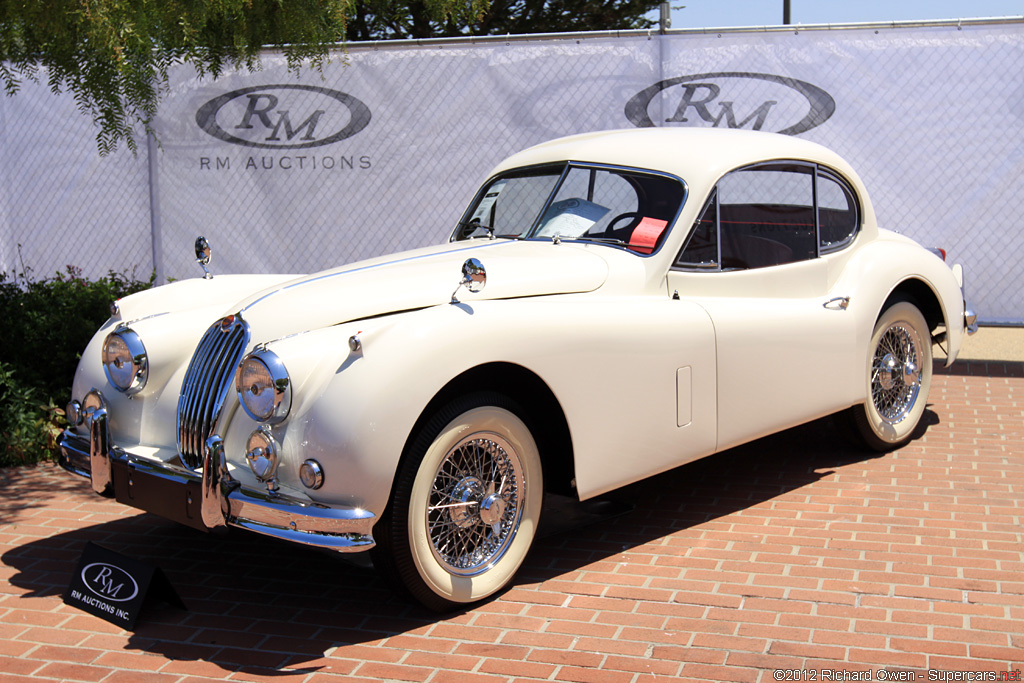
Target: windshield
{"x": 624, "y": 207}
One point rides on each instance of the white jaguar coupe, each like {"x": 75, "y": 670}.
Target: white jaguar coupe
{"x": 611, "y": 305}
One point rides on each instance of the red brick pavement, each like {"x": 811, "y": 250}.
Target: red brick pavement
{"x": 794, "y": 553}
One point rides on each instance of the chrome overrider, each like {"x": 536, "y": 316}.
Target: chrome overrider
{"x": 970, "y": 317}
{"x": 970, "y": 320}
{"x": 223, "y": 502}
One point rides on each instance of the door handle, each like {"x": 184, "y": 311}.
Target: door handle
{"x": 839, "y": 303}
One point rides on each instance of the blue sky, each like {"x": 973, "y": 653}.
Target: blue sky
{"x": 723, "y": 13}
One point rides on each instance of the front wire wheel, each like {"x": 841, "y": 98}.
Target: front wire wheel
{"x": 466, "y": 504}
{"x": 899, "y": 375}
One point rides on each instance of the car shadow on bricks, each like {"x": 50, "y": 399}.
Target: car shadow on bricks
{"x": 261, "y": 605}
{"x": 741, "y": 479}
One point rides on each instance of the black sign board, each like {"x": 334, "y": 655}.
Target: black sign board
{"x": 114, "y": 587}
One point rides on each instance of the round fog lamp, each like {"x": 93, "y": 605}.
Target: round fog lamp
{"x": 311, "y": 474}
{"x": 92, "y": 402}
{"x": 261, "y": 454}
{"x": 73, "y": 413}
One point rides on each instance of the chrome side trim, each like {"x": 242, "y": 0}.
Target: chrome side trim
{"x": 224, "y": 501}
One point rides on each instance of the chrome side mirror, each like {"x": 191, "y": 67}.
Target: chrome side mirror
{"x": 203, "y": 255}
{"x": 474, "y": 278}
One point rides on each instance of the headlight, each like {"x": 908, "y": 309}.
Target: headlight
{"x": 263, "y": 386}
{"x": 125, "y": 361}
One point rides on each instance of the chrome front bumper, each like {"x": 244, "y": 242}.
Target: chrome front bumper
{"x": 210, "y": 500}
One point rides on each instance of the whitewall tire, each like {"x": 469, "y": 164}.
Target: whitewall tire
{"x": 899, "y": 376}
{"x": 466, "y": 504}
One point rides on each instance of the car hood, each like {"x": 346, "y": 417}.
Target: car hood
{"x": 418, "y": 279}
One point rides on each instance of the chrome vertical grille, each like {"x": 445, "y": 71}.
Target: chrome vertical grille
{"x": 206, "y": 386}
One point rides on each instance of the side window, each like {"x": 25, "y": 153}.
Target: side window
{"x": 837, "y": 213}
{"x": 766, "y": 216}
{"x": 771, "y": 214}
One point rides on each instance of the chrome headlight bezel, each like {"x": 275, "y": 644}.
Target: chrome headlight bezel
{"x": 271, "y": 376}
{"x": 120, "y": 348}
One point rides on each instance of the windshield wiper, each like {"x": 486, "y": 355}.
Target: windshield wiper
{"x": 467, "y": 228}
{"x": 602, "y": 240}
{"x": 635, "y": 246}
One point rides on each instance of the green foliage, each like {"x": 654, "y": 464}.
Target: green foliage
{"x": 28, "y": 426}
{"x": 113, "y": 56}
{"x": 386, "y": 19}
{"x": 47, "y": 324}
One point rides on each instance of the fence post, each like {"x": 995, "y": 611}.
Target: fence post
{"x": 154, "y": 210}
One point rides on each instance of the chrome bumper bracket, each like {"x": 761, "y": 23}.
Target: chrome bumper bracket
{"x": 217, "y": 482}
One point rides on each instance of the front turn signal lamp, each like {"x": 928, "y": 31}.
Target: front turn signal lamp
{"x": 125, "y": 361}
{"x": 311, "y": 474}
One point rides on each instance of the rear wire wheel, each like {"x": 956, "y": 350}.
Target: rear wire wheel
{"x": 466, "y": 504}
{"x": 899, "y": 376}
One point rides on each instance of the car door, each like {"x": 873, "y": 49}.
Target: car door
{"x": 760, "y": 260}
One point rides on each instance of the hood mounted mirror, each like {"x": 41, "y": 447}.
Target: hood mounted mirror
{"x": 474, "y": 278}
{"x": 203, "y": 255}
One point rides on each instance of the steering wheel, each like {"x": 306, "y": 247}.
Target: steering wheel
{"x": 467, "y": 229}
{"x": 630, "y": 215}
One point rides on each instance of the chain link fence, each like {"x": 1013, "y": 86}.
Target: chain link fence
{"x": 61, "y": 204}
{"x": 297, "y": 173}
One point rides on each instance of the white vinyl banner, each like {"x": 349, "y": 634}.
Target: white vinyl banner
{"x": 383, "y": 150}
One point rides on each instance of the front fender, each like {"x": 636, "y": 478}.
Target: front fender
{"x": 612, "y": 363}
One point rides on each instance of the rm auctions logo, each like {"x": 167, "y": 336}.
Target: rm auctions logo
{"x": 283, "y": 116}
{"x": 109, "y": 582}
{"x": 732, "y": 99}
